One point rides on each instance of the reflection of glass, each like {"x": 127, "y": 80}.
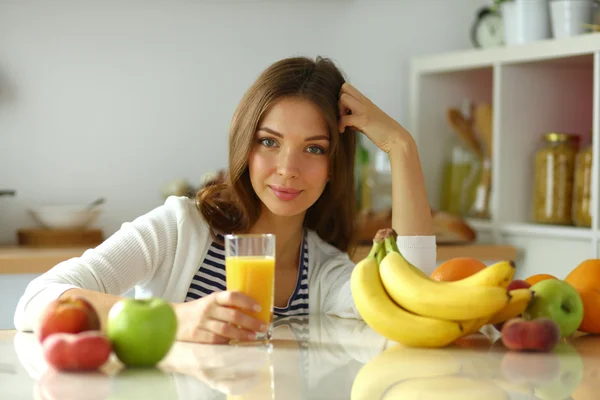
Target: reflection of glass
{"x": 263, "y": 385}
{"x": 250, "y": 269}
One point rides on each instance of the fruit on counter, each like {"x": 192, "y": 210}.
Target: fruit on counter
{"x": 425, "y": 296}
{"x": 388, "y": 319}
{"x": 498, "y": 274}
{"x": 399, "y": 363}
{"x": 84, "y": 351}
{"x": 558, "y": 300}
{"x": 457, "y": 268}
{"x": 71, "y": 314}
{"x": 521, "y": 296}
{"x": 394, "y": 321}
{"x": 142, "y": 331}
{"x": 518, "y": 284}
{"x": 519, "y": 300}
{"x": 585, "y": 278}
{"x": 446, "y": 387}
{"x": 533, "y": 279}
{"x": 541, "y": 334}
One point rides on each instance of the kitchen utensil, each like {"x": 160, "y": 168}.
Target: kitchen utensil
{"x": 483, "y": 125}
{"x": 96, "y": 203}
{"x": 464, "y": 130}
{"x": 483, "y": 117}
{"x": 64, "y": 216}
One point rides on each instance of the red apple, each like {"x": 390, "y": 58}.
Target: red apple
{"x": 68, "y": 315}
{"x": 518, "y": 284}
{"x": 540, "y": 334}
{"x": 82, "y": 351}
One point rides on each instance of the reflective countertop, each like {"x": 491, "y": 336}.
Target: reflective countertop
{"x": 316, "y": 357}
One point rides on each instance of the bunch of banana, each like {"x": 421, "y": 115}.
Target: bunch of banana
{"x": 400, "y": 302}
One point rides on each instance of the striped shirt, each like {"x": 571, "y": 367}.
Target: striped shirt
{"x": 211, "y": 277}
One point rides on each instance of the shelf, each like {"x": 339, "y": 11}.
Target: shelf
{"x": 484, "y": 252}
{"x": 23, "y": 260}
{"x": 546, "y": 230}
{"x": 546, "y": 86}
{"x": 537, "y": 51}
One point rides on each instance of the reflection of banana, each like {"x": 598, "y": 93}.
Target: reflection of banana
{"x": 498, "y": 274}
{"x": 445, "y": 387}
{"x": 519, "y": 299}
{"x": 436, "y": 299}
{"x": 392, "y": 321}
{"x": 399, "y": 363}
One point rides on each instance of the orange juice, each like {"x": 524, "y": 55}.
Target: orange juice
{"x": 255, "y": 277}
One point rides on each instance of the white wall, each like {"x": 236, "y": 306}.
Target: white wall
{"x": 116, "y": 98}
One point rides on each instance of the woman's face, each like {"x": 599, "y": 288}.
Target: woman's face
{"x": 289, "y": 160}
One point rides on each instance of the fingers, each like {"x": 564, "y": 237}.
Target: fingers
{"x": 227, "y": 330}
{"x": 348, "y": 88}
{"x": 349, "y": 102}
{"x": 237, "y": 300}
{"x": 353, "y": 121}
{"x": 238, "y": 318}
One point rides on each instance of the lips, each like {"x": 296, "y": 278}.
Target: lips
{"x": 284, "y": 193}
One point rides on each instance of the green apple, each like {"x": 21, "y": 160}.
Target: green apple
{"x": 558, "y": 300}
{"x": 142, "y": 331}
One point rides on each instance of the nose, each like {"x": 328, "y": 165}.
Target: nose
{"x": 288, "y": 164}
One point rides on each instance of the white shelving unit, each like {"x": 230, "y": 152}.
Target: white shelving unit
{"x": 550, "y": 85}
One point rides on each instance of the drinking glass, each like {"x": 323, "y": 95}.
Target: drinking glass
{"x": 250, "y": 269}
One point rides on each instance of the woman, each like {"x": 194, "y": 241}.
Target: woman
{"x": 291, "y": 157}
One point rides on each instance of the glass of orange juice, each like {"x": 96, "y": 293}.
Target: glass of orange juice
{"x": 250, "y": 269}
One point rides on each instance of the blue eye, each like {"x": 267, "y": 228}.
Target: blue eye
{"x": 316, "y": 150}
{"x": 268, "y": 142}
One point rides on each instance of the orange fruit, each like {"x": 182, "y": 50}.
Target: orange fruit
{"x": 533, "y": 279}
{"x": 457, "y": 268}
{"x": 585, "y": 278}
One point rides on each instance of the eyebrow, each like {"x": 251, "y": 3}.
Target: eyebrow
{"x": 273, "y": 132}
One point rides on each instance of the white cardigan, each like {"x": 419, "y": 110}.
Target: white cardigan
{"x": 158, "y": 254}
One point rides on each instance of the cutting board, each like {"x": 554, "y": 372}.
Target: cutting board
{"x": 41, "y": 237}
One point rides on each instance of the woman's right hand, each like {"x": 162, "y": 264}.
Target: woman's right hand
{"x": 218, "y": 318}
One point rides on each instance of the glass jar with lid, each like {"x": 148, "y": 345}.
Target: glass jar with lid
{"x": 553, "y": 179}
{"x": 582, "y": 191}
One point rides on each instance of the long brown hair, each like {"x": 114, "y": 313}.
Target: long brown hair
{"x": 232, "y": 205}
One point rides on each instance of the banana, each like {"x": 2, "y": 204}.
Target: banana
{"x": 398, "y": 363}
{"x": 431, "y": 298}
{"x": 388, "y": 319}
{"x": 474, "y": 325}
{"x": 519, "y": 300}
{"x": 498, "y": 274}
{"x": 446, "y": 387}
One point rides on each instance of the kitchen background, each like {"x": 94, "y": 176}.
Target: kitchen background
{"x": 130, "y": 101}
{"x": 116, "y": 99}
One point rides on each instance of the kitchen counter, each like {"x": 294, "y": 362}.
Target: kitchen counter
{"x": 320, "y": 357}
{"x": 31, "y": 260}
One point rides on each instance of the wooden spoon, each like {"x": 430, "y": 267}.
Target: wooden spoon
{"x": 483, "y": 124}
{"x": 464, "y": 130}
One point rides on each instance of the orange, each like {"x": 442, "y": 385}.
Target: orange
{"x": 533, "y": 279}
{"x": 585, "y": 278}
{"x": 457, "y": 268}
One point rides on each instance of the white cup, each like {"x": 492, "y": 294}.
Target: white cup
{"x": 569, "y": 17}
